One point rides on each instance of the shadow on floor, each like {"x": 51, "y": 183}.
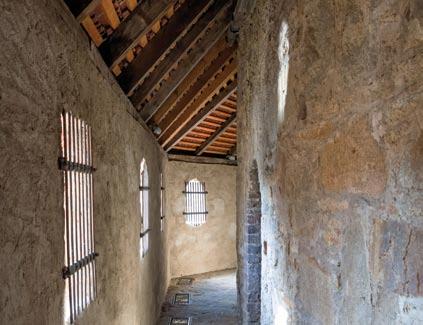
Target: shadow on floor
{"x": 212, "y": 300}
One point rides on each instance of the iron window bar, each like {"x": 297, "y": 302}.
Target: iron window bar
{"x": 75, "y": 267}
{"x": 145, "y": 233}
{"x": 189, "y": 213}
{"x": 195, "y": 203}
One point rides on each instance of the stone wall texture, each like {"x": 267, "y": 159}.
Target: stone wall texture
{"x": 47, "y": 66}
{"x": 331, "y": 108}
{"x": 211, "y": 246}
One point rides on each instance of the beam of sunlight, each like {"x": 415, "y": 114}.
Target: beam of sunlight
{"x": 283, "y": 54}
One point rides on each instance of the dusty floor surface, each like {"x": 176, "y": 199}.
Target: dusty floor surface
{"x": 212, "y": 299}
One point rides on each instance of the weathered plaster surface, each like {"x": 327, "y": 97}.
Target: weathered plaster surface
{"x": 47, "y": 66}
{"x": 210, "y": 247}
{"x": 330, "y": 104}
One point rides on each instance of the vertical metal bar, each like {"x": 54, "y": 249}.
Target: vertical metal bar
{"x": 204, "y": 199}
{"x": 84, "y": 216}
{"x": 89, "y": 249}
{"x": 89, "y": 202}
{"x": 81, "y": 242}
{"x": 65, "y": 155}
{"x": 77, "y": 242}
{"x": 194, "y": 201}
{"x": 92, "y": 211}
{"x": 71, "y": 214}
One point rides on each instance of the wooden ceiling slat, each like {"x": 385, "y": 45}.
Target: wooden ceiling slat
{"x": 203, "y": 47}
{"x": 92, "y": 30}
{"x": 215, "y": 135}
{"x": 131, "y": 30}
{"x": 220, "y": 81}
{"x": 156, "y": 49}
{"x": 110, "y": 13}
{"x": 181, "y": 48}
{"x": 200, "y": 134}
{"x": 131, "y": 4}
{"x": 189, "y": 80}
{"x": 202, "y": 82}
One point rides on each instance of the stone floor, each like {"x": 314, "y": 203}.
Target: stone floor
{"x": 213, "y": 299}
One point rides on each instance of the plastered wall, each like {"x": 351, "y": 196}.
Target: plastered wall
{"x": 330, "y": 106}
{"x": 47, "y": 66}
{"x": 211, "y": 246}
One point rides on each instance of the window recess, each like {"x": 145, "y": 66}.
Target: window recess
{"x": 76, "y": 164}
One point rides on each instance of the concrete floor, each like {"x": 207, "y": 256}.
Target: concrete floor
{"x": 213, "y": 299}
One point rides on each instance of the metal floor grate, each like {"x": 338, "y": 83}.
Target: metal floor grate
{"x": 180, "y": 321}
{"x": 181, "y": 299}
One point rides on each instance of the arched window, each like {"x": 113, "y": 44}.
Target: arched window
{"x": 195, "y": 203}
{"x": 144, "y": 209}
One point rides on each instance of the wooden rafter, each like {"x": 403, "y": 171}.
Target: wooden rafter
{"x": 189, "y": 80}
{"x": 201, "y": 49}
{"x": 202, "y": 82}
{"x": 180, "y": 49}
{"x": 156, "y": 49}
{"x": 132, "y": 29}
{"x": 210, "y": 106}
{"x": 220, "y": 81}
{"x": 215, "y": 135}
{"x": 110, "y": 13}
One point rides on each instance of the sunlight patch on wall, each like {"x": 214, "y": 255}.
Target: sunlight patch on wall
{"x": 283, "y": 54}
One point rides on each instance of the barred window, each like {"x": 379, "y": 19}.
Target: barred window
{"x": 144, "y": 209}
{"x": 76, "y": 164}
{"x": 162, "y": 203}
{"x": 195, "y": 203}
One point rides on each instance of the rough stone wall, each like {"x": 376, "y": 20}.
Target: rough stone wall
{"x": 46, "y": 66}
{"x": 330, "y": 105}
{"x": 209, "y": 247}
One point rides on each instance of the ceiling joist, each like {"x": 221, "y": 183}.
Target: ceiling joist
{"x": 193, "y": 123}
{"x": 204, "y": 46}
{"x": 157, "y": 48}
{"x": 215, "y": 135}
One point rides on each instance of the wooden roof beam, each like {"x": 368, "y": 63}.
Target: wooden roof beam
{"x": 206, "y": 95}
{"x": 200, "y": 51}
{"x": 215, "y": 135}
{"x": 132, "y": 29}
{"x": 157, "y": 48}
{"x": 210, "y": 106}
{"x": 181, "y": 48}
{"x": 200, "y": 91}
{"x": 188, "y": 81}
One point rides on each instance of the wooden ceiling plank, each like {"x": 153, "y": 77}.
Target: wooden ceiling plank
{"x": 180, "y": 49}
{"x": 189, "y": 80}
{"x": 220, "y": 81}
{"x": 215, "y": 135}
{"x": 202, "y": 82}
{"x": 110, "y": 13}
{"x": 92, "y": 30}
{"x": 133, "y": 29}
{"x": 199, "y": 52}
{"x": 157, "y": 48}
{"x": 131, "y": 4}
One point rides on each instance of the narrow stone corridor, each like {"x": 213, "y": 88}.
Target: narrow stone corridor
{"x": 212, "y": 300}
